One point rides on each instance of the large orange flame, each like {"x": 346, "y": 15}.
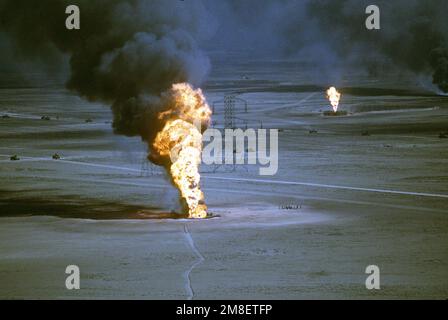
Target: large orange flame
{"x": 180, "y": 141}
{"x": 334, "y": 96}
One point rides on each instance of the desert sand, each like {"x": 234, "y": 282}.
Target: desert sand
{"x": 369, "y": 188}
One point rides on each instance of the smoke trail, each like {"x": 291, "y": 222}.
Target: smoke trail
{"x": 126, "y": 53}
{"x": 129, "y": 51}
{"x": 413, "y": 34}
{"x": 439, "y": 62}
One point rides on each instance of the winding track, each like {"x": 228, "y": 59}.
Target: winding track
{"x": 200, "y": 259}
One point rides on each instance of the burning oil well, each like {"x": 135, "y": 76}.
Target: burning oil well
{"x": 143, "y": 62}
{"x": 178, "y": 146}
{"x": 334, "y": 97}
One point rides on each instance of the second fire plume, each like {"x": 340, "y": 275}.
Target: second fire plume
{"x": 334, "y": 96}
{"x": 179, "y": 144}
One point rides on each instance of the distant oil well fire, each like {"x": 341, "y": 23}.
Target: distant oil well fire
{"x": 178, "y": 146}
{"x": 334, "y": 97}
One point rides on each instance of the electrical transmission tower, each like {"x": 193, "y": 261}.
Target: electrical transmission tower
{"x": 229, "y": 112}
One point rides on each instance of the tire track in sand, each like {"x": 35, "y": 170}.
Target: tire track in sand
{"x": 200, "y": 259}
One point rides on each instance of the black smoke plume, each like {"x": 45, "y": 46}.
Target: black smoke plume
{"x": 413, "y": 34}
{"x": 126, "y": 53}
{"x": 129, "y": 51}
{"x": 439, "y": 62}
